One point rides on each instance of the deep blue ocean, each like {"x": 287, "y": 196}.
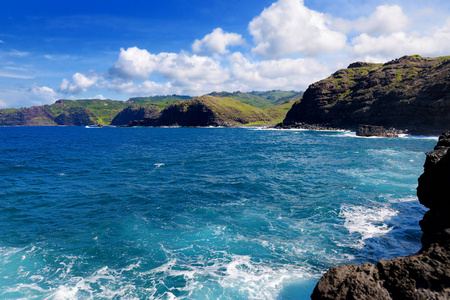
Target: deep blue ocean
{"x": 199, "y": 213}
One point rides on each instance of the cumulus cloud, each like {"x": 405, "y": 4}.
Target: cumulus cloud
{"x": 435, "y": 43}
{"x": 284, "y": 74}
{"x": 43, "y": 92}
{"x": 217, "y": 42}
{"x": 287, "y": 27}
{"x": 180, "y": 69}
{"x": 24, "y": 97}
{"x": 80, "y": 82}
{"x": 134, "y": 63}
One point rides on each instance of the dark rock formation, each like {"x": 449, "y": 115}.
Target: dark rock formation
{"x": 32, "y": 116}
{"x": 306, "y": 126}
{"x": 425, "y": 275}
{"x": 372, "y": 130}
{"x": 135, "y": 113}
{"x": 195, "y": 113}
{"x": 408, "y": 93}
{"x": 78, "y": 116}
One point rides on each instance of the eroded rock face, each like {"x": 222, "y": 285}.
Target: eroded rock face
{"x": 135, "y": 113}
{"x": 425, "y": 275}
{"x": 78, "y": 116}
{"x": 408, "y": 93}
{"x": 32, "y": 116}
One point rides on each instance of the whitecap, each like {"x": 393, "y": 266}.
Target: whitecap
{"x": 367, "y": 222}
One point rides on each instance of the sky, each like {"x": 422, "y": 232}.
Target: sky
{"x": 113, "y": 49}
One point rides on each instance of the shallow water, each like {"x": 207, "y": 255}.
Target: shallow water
{"x": 198, "y": 213}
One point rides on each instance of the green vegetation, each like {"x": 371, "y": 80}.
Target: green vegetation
{"x": 260, "y": 99}
{"x": 258, "y": 108}
{"x": 231, "y": 110}
{"x": 103, "y": 110}
{"x": 160, "y": 101}
{"x": 278, "y": 113}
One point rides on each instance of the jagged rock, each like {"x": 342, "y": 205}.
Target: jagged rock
{"x": 372, "y": 130}
{"x": 134, "y": 114}
{"x": 425, "y": 275}
{"x": 78, "y": 116}
{"x": 306, "y": 126}
{"x": 408, "y": 93}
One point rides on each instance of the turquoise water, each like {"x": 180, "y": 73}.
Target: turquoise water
{"x": 198, "y": 213}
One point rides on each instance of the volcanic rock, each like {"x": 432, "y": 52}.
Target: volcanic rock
{"x": 134, "y": 114}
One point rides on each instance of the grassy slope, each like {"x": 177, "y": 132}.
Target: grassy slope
{"x": 160, "y": 101}
{"x": 104, "y": 110}
{"x": 235, "y": 112}
{"x": 260, "y": 99}
{"x": 230, "y": 110}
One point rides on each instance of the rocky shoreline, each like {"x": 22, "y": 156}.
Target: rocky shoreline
{"x": 424, "y": 275}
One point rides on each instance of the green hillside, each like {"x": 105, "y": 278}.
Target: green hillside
{"x": 260, "y": 99}
{"x": 104, "y": 110}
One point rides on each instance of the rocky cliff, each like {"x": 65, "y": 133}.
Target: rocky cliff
{"x": 425, "y": 275}
{"x": 408, "y": 93}
{"x": 77, "y": 116}
{"x": 135, "y": 113}
{"x": 31, "y": 116}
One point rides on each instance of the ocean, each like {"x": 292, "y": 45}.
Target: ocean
{"x": 199, "y": 213}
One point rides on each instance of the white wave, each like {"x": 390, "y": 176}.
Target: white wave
{"x": 159, "y": 165}
{"x": 421, "y": 137}
{"x": 368, "y": 222}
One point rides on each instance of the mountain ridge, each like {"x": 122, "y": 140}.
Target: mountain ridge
{"x": 120, "y": 113}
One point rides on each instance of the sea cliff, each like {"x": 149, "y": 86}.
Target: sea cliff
{"x": 410, "y": 93}
{"x": 424, "y": 275}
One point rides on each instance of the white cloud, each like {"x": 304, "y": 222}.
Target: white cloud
{"x": 435, "y": 43}
{"x": 80, "y": 82}
{"x": 197, "y": 75}
{"x": 287, "y": 27}
{"x": 18, "y": 53}
{"x": 217, "y": 42}
{"x": 386, "y": 19}
{"x": 188, "y": 71}
{"x": 25, "y": 97}
{"x": 2, "y": 42}
{"x": 134, "y": 63}
{"x": 12, "y": 75}
{"x": 99, "y": 96}
{"x": 43, "y": 92}
{"x": 284, "y": 74}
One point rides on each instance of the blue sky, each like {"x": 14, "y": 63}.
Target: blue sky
{"x": 119, "y": 49}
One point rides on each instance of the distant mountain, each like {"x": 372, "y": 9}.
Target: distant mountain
{"x": 119, "y": 113}
{"x": 408, "y": 93}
